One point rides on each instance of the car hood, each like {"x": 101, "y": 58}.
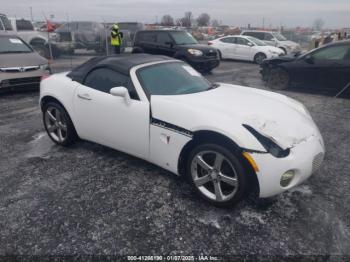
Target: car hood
{"x": 270, "y": 48}
{"x": 289, "y": 43}
{"x": 21, "y": 59}
{"x": 229, "y": 107}
{"x": 280, "y": 59}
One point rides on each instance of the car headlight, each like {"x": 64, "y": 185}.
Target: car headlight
{"x": 269, "y": 145}
{"x": 274, "y": 52}
{"x": 195, "y": 52}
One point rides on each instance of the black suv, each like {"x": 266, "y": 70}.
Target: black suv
{"x": 178, "y": 44}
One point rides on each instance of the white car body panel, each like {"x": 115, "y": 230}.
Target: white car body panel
{"x": 165, "y": 147}
{"x": 108, "y": 120}
{"x": 265, "y": 112}
{"x": 244, "y": 52}
{"x": 140, "y": 128}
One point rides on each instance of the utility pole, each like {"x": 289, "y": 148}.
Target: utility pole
{"x": 31, "y": 14}
{"x": 263, "y": 24}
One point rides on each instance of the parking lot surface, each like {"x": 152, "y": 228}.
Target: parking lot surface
{"x": 89, "y": 199}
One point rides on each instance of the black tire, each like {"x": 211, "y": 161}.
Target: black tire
{"x": 70, "y": 136}
{"x": 259, "y": 58}
{"x": 278, "y": 79}
{"x": 230, "y": 161}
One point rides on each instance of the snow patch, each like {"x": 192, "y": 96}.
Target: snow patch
{"x": 251, "y": 217}
{"x": 211, "y": 218}
{"x": 40, "y": 146}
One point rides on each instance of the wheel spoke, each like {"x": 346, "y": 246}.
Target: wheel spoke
{"x": 51, "y": 115}
{"x": 60, "y": 136}
{"x": 62, "y": 126}
{"x": 202, "y": 180}
{"x": 202, "y": 163}
{"x": 218, "y": 192}
{"x": 218, "y": 161}
{"x": 228, "y": 180}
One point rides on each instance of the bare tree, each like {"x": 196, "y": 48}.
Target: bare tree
{"x": 167, "y": 20}
{"x": 215, "y": 23}
{"x": 203, "y": 19}
{"x": 318, "y": 24}
{"x": 186, "y": 21}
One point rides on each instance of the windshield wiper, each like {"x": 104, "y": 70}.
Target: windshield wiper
{"x": 213, "y": 86}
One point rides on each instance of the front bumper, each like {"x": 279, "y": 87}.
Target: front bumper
{"x": 304, "y": 159}
{"x": 204, "y": 63}
{"x": 21, "y": 80}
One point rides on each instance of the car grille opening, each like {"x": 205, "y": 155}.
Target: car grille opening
{"x": 20, "y": 69}
{"x": 21, "y": 81}
{"x": 211, "y": 54}
{"x": 316, "y": 163}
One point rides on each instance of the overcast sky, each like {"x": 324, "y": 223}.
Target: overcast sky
{"x": 335, "y": 13}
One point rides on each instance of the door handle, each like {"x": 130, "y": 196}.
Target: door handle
{"x": 84, "y": 96}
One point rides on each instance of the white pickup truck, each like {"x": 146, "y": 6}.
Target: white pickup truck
{"x": 25, "y": 30}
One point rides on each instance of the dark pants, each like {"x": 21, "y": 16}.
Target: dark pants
{"x": 117, "y": 49}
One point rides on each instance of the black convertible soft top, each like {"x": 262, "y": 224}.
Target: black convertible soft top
{"x": 120, "y": 63}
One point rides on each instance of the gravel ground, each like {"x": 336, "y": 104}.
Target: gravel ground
{"x": 89, "y": 199}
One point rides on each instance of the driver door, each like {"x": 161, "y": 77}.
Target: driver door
{"x": 244, "y": 51}
{"x": 109, "y": 120}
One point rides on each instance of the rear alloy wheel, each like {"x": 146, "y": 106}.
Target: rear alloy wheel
{"x": 259, "y": 58}
{"x": 278, "y": 79}
{"x": 216, "y": 174}
{"x": 58, "y": 124}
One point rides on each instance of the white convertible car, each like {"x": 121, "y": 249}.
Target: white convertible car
{"x": 224, "y": 138}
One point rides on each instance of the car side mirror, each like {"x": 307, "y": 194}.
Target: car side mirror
{"x": 250, "y": 44}
{"x": 121, "y": 91}
{"x": 309, "y": 60}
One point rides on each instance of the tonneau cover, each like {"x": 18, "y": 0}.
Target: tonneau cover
{"x": 120, "y": 63}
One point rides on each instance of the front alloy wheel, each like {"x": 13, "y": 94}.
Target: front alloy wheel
{"x": 216, "y": 174}
{"x": 58, "y": 124}
{"x": 259, "y": 58}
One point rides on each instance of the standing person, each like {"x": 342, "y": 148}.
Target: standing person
{"x": 116, "y": 38}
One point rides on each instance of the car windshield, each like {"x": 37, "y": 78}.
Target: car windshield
{"x": 6, "y": 22}
{"x": 174, "y": 78}
{"x": 12, "y": 44}
{"x": 256, "y": 41}
{"x": 278, "y": 36}
{"x": 24, "y": 25}
{"x": 183, "y": 38}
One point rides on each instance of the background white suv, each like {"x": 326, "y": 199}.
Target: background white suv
{"x": 274, "y": 39}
